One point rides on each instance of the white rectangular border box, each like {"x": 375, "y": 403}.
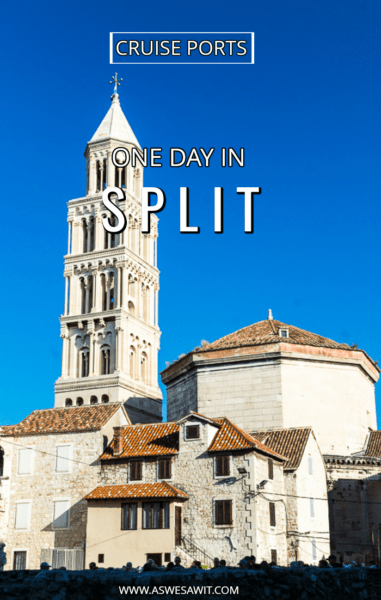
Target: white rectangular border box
{"x": 182, "y": 33}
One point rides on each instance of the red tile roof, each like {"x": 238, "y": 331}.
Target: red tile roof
{"x": 146, "y": 440}
{"x": 232, "y": 437}
{"x": 374, "y": 444}
{"x": 267, "y": 332}
{"x": 288, "y": 442}
{"x": 63, "y": 420}
{"x": 136, "y": 490}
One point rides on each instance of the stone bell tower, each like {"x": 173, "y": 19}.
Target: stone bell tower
{"x": 110, "y": 328}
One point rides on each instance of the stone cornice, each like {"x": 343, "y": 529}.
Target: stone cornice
{"x": 342, "y": 461}
{"x": 121, "y": 253}
{"x": 264, "y": 353}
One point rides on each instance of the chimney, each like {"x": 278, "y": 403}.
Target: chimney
{"x": 118, "y": 441}
{"x": 270, "y": 316}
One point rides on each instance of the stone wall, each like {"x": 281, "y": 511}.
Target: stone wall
{"x": 280, "y": 584}
{"x": 354, "y": 485}
{"x": 44, "y": 486}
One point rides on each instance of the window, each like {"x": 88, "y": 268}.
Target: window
{"x": 68, "y": 402}
{"x": 1, "y": 461}
{"x": 310, "y": 466}
{"x": 19, "y": 561}
{"x": 155, "y": 515}
{"x": 25, "y": 461}
{"x": 93, "y": 400}
{"x": 274, "y": 556}
{"x": 283, "y": 333}
{"x": 101, "y": 558}
{"x": 312, "y": 508}
{"x": 156, "y": 559}
{"x": 143, "y": 367}
{"x": 136, "y": 470}
{"x": 272, "y": 514}
{"x": 84, "y": 362}
{"x": 73, "y": 560}
{"x": 167, "y": 556}
{"x": 79, "y": 401}
{"x": 63, "y": 455}
{"x": 22, "y": 515}
{"x": 132, "y": 362}
{"x": 105, "y": 399}
{"x": 61, "y": 511}
{"x": 271, "y": 468}
{"x": 224, "y": 512}
{"x": 129, "y": 513}
{"x": 164, "y": 469}
{"x": 222, "y": 466}
{"x": 192, "y": 432}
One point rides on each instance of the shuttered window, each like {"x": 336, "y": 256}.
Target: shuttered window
{"x": 271, "y": 469}
{"x": 155, "y": 515}
{"x": 165, "y": 468}
{"x": 136, "y": 470}
{"x": 129, "y": 513}
{"x": 25, "y": 461}
{"x": 63, "y": 455}
{"x": 22, "y": 515}
{"x": 272, "y": 514}
{"x": 192, "y": 432}
{"x": 224, "y": 512}
{"x": 222, "y": 466}
{"x": 274, "y": 556}
{"x": 61, "y": 514}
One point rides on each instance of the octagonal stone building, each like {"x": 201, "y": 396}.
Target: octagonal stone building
{"x": 271, "y": 375}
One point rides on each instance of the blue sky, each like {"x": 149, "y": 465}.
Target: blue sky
{"x": 308, "y": 115}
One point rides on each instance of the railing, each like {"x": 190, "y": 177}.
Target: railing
{"x": 196, "y": 552}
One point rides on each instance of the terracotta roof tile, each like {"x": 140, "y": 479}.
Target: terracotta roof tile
{"x": 136, "y": 490}
{"x": 267, "y": 332}
{"x": 374, "y": 444}
{"x": 288, "y": 442}
{"x": 146, "y": 440}
{"x": 232, "y": 437}
{"x": 63, "y": 420}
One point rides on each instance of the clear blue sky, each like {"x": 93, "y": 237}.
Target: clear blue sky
{"x": 307, "y": 113}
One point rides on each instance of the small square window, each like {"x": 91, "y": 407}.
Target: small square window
{"x": 222, "y": 466}
{"x": 192, "y": 432}
{"x": 283, "y": 333}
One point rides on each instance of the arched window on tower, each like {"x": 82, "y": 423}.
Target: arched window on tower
{"x": 143, "y": 367}
{"x": 93, "y": 400}
{"x": 84, "y": 235}
{"x": 68, "y": 402}
{"x": 84, "y": 362}
{"x": 79, "y": 402}
{"x": 131, "y": 308}
{"x": 83, "y": 295}
{"x": 104, "y": 292}
{"x": 105, "y": 360}
{"x": 132, "y": 362}
{"x": 1, "y": 461}
{"x": 90, "y": 283}
{"x": 92, "y": 233}
{"x": 105, "y": 399}
{"x": 112, "y": 292}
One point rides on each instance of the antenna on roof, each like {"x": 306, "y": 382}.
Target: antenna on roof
{"x": 270, "y": 315}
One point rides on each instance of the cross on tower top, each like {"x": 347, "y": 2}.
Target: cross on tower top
{"x": 115, "y": 81}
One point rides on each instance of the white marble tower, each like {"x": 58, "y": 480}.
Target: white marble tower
{"x": 110, "y": 326}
